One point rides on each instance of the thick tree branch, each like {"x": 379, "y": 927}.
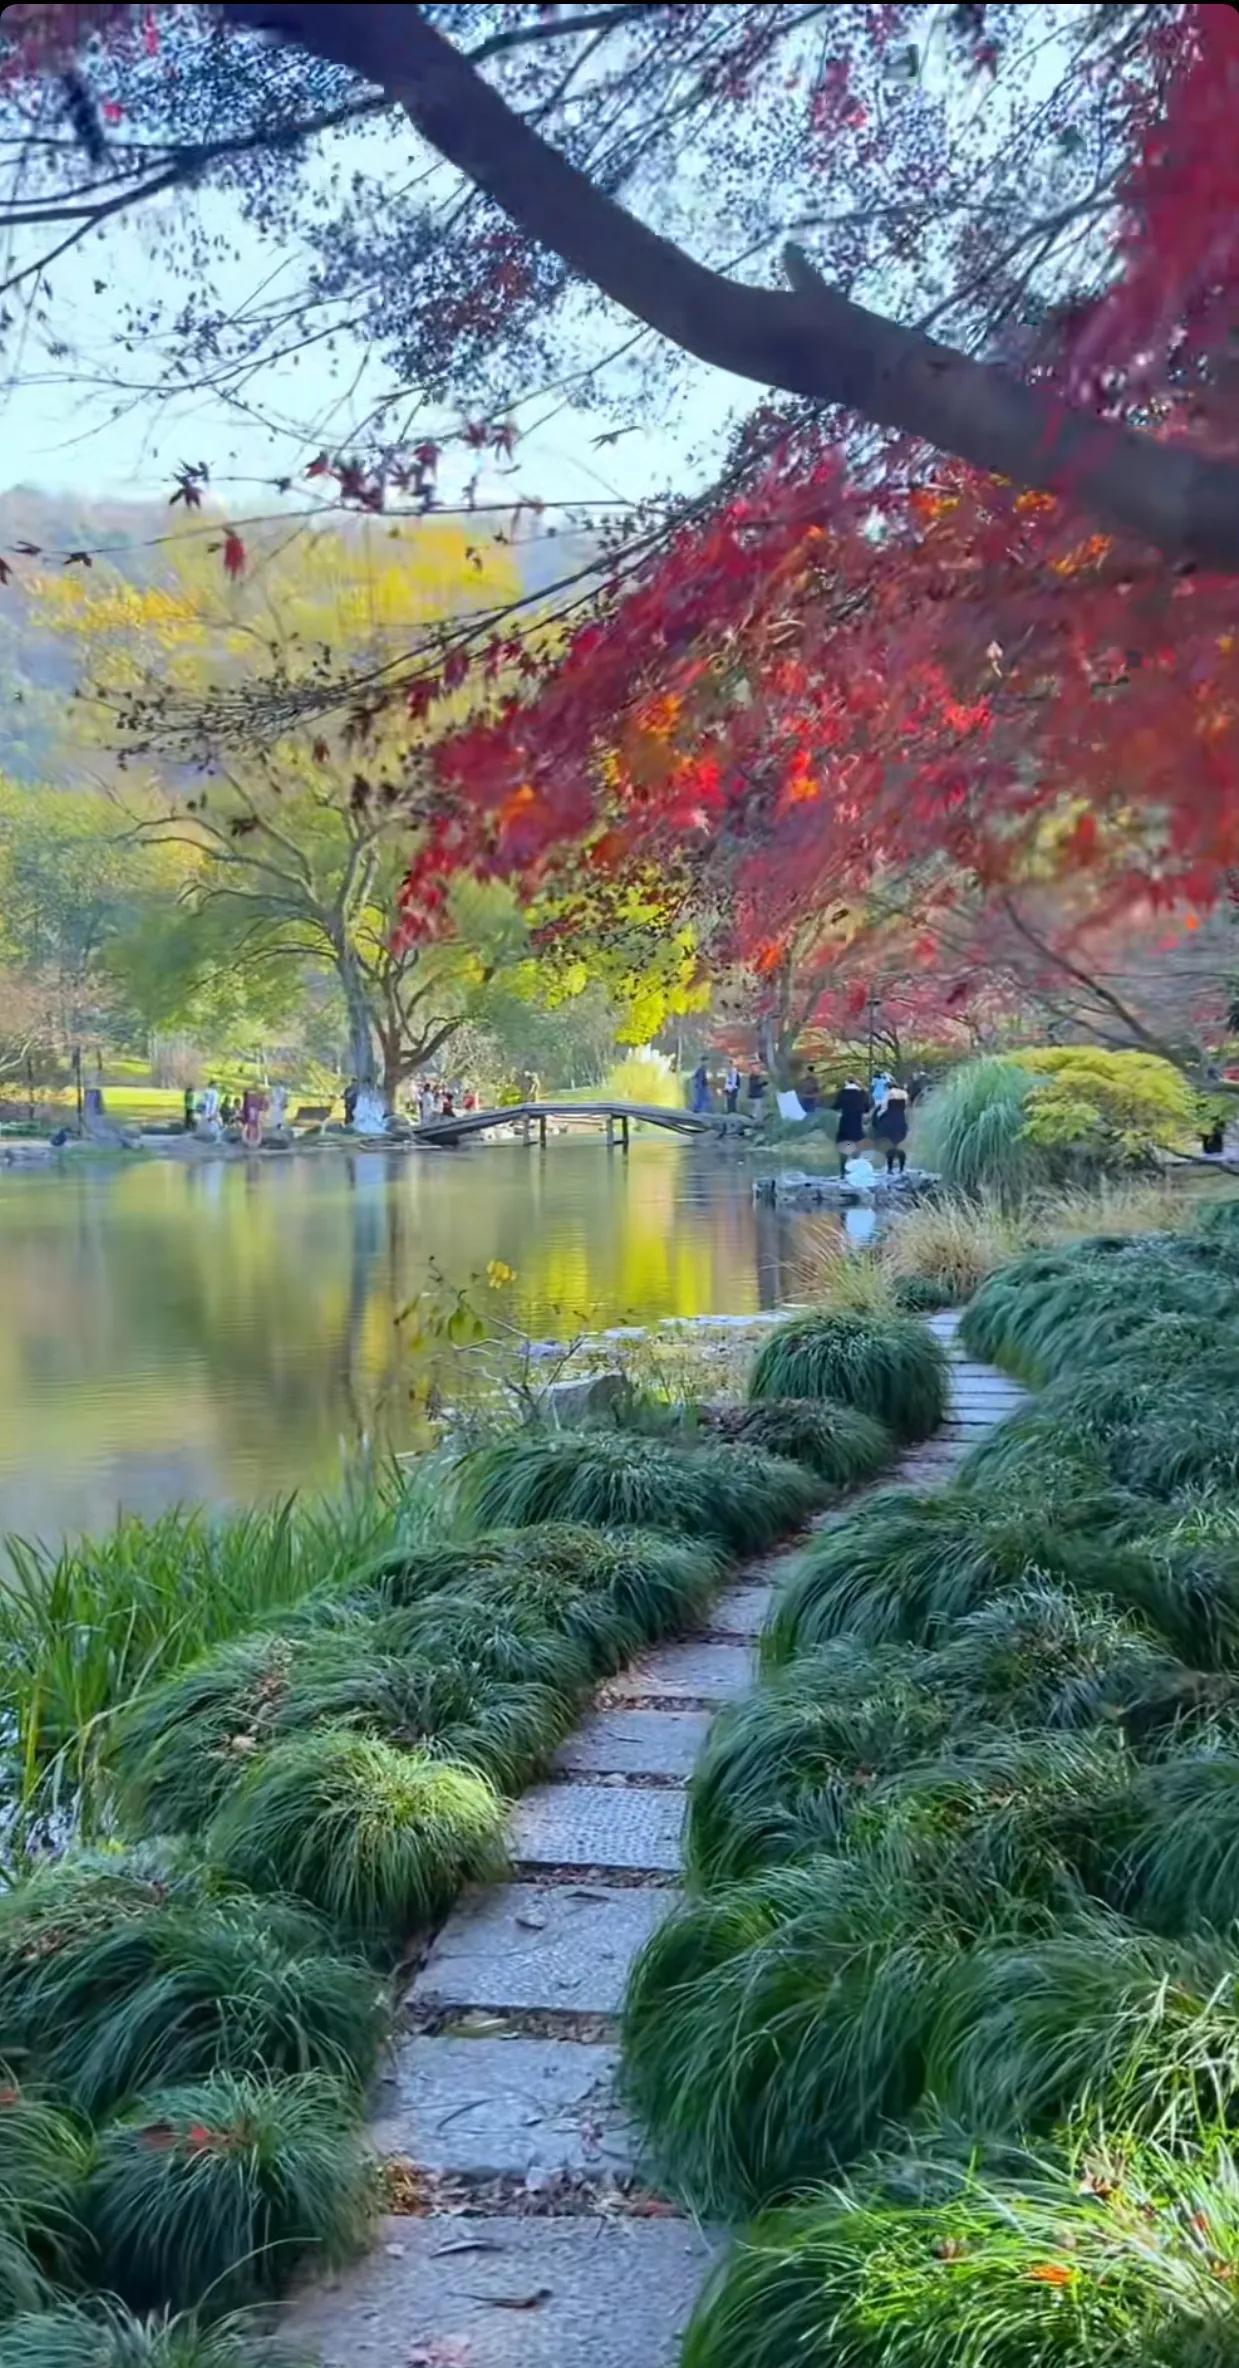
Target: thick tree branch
{"x": 813, "y": 342}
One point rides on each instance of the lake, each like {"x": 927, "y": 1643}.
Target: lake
{"x": 226, "y": 1331}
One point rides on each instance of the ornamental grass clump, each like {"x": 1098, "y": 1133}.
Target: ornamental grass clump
{"x": 890, "y": 1367}
{"x": 44, "y": 2157}
{"x": 216, "y": 2194}
{"x": 1124, "y": 2255}
{"x": 106, "y": 2335}
{"x": 736, "y": 1496}
{"x": 780, "y": 1770}
{"x": 1180, "y": 1863}
{"x": 377, "y": 1840}
{"x": 1096, "y": 2018}
{"x": 179, "y": 1991}
{"x": 181, "y": 1749}
{"x": 910, "y": 1566}
{"x": 557, "y": 1645}
{"x": 774, "y": 2029}
{"x": 840, "y": 1444}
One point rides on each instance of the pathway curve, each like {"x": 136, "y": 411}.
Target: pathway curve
{"x": 534, "y": 2251}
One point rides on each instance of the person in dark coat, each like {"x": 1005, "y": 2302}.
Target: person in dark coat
{"x": 852, "y": 1104}
{"x": 890, "y": 1128}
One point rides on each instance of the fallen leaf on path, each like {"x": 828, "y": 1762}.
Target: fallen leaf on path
{"x": 532, "y": 2301}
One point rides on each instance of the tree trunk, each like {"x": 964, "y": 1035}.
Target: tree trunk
{"x": 813, "y": 342}
{"x": 361, "y": 1058}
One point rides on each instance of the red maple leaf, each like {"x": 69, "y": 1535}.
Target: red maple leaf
{"x": 234, "y": 552}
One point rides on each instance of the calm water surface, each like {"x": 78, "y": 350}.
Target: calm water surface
{"x": 227, "y": 1332}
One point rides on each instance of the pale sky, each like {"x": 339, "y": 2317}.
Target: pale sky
{"x": 62, "y": 434}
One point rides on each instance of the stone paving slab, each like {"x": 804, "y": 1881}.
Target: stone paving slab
{"x": 603, "y": 1825}
{"x": 487, "y": 2108}
{"x": 635, "y": 1743}
{"x": 704, "y": 1672}
{"x": 494, "y": 2293}
{"x": 741, "y": 1611}
{"x": 560, "y": 1945}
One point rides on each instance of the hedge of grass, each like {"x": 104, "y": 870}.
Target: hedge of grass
{"x": 890, "y": 1367}
{"x": 963, "y": 1876}
{"x": 195, "y": 2010}
{"x": 737, "y": 1496}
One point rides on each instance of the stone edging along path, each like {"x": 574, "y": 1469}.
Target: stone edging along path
{"x": 527, "y": 2239}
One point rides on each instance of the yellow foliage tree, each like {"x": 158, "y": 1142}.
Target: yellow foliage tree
{"x": 206, "y": 688}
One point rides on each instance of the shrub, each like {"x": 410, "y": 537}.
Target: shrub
{"x": 890, "y": 1367}
{"x": 1054, "y": 2268}
{"x": 736, "y": 1495}
{"x": 217, "y": 2193}
{"x": 379, "y": 1840}
{"x": 843, "y": 1446}
{"x": 106, "y": 2335}
{"x": 182, "y": 1991}
{"x": 909, "y": 1566}
{"x": 772, "y": 2030}
{"x": 1099, "y": 2019}
{"x": 43, "y": 2161}
{"x": 1105, "y": 1111}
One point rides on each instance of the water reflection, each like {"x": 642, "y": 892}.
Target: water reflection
{"x": 228, "y": 1331}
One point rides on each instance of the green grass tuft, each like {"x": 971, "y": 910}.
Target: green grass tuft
{"x": 843, "y": 1446}
{"x": 890, "y": 1367}
{"x": 772, "y": 2030}
{"x": 909, "y": 1566}
{"x": 736, "y": 1496}
{"x": 106, "y": 2335}
{"x": 378, "y": 1840}
{"x": 110, "y": 2336}
{"x": 174, "y": 1992}
{"x": 216, "y": 2194}
{"x": 779, "y": 1771}
{"x": 182, "y": 1748}
{"x": 44, "y": 2157}
{"x": 1122, "y": 2256}
{"x": 1097, "y": 2018}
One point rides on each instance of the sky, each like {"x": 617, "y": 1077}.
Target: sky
{"x": 62, "y": 434}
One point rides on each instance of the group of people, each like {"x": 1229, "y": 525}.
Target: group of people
{"x": 732, "y": 1084}
{"x": 879, "y": 1110}
{"x": 211, "y": 1113}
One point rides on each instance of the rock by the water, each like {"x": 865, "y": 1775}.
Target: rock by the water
{"x": 795, "y": 1189}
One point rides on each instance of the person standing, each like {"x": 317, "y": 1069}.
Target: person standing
{"x": 810, "y": 1092}
{"x": 350, "y": 1101}
{"x": 190, "y": 1109}
{"x": 879, "y": 1090}
{"x": 731, "y": 1088}
{"x": 701, "y": 1089}
{"x": 757, "y": 1094}
{"x": 890, "y": 1127}
{"x": 852, "y": 1104}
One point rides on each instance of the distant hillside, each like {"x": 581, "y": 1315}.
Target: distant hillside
{"x": 38, "y": 668}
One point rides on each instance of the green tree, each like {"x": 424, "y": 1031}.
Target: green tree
{"x": 294, "y": 847}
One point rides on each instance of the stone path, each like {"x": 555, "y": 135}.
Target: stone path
{"x": 540, "y": 2251}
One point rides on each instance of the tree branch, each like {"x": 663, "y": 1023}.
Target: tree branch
{"x": 813, "y": 342}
